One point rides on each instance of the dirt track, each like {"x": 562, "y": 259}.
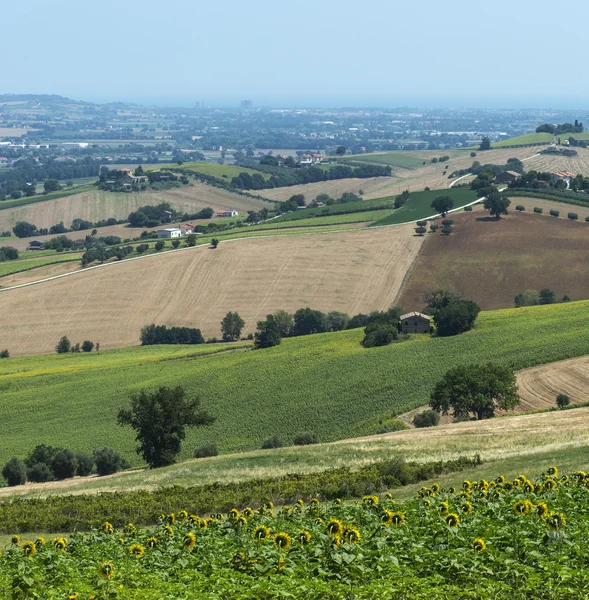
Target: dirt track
{"x": 351, "y": 272}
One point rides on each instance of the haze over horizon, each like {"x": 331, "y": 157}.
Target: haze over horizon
{"x": 315, "y": 54}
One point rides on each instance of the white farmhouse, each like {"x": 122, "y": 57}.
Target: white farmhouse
{"x": 169, "y": 233}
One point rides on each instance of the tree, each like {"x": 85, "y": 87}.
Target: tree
{"x": 285, "y": 322}
{"x": 63, "y": 346}
{"x": 447, "y": 230}
{"x": 22, "y": 229}
{"x": 427, "y": 418}
{"x": 340, "y": 150}
{"x": 64, "y": 464}
{"x": 85, "y": 464}
{"x": 214, "y": 243}
{"x": 160, "y": 420}
{"x": 308, "y": 321}
{"x": 268, "y": 333}
{"x": 159, "y": 245}
{"x": 520, "y": 208}
{"x": 87, "y": 346}
{"x": 442, "y": 204}
{"x": 547, "y": 296}
{"x": 337, "y": 321}
{"x": 457, "y": 317}
{"x": 562, "y": 400}
{"x": 39, "y": 473}
{"x": 485, "y": 144}
{"x": 437, "y": 300}
{"x": 475, "y": 389}
{"x": 4, "y": 354}
{"x": 231, "y": 327}
{"x": 379, "y": 334}
{"x": 305, "y": 439}
{"x": 496, "y": 204}
{"x": 175, "y": 243}
{"x": 573, "y": 216}
{"x": 527, "y": 298}
{"x": 191, "y": 239}
{"x": 272, "y": 442}
{"x": 108, "y": 461}
{"x": 420, "y": 230}
{"x": 15, "y": 472}
{"x": 51, "y": 185}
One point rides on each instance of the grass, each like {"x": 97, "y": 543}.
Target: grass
{"x": 215, "y": 170}
{"x": 17, "y": 266}
{"x": 334, "y": 209}
{"x": 335, "y": 219}
{"x": 522, "y": 140}
{"x": 325, "y": 383}
{"x": 418, "y": 205}
{"x": 402, "y": 159}
{"x": 76, "y": 189}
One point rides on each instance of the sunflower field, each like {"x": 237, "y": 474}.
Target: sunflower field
{"x": 487, "y": 539}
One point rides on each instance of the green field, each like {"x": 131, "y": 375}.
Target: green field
{"x": 418, "y": 205}
{"x": 402, "y": 160}
{"x": 220, "y": 171}
{"x": 367, "y": 216}
{"x": 325, "y": 383}
{"x": 16, "y": 266}
{"x": 522, "y": 140}
{"x": 335, "y": 209}
{"x": 76, "y": 189}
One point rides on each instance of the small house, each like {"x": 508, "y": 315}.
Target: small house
{"x": 169, "y": 233}
{"x": 506, "y": 177}
{"x": 36, "y": 245}
{"x": 186, "y": 228}
{"x": 227, "y": 213}
{"x": 415, "y": 322}
{"x": 565, "y": 176}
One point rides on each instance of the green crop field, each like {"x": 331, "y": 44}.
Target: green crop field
{"x": 16, "y": 266}
{"x": 220, "y": 171}
{"x": 326, "y": 383}
{"x": 335, "y": 209}
{"x": 521, "y": 140}
{"x": 367, "y": 216}
{"x": 418, "y": 205}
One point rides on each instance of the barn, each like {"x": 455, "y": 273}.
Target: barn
{"x": 415, "y": 322}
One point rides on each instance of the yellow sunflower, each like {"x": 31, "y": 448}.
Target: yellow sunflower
{"x": 303, "y": 537}
{"x": 182, "y": 515}
{"x": 282, "y": 540}
{"x": 542, "y": 510}
{"x": 136, "y": 550}
{"x": 397, "y": 519}
{"x": 107, "y": 528}
{"x": 444, "y": 508}
{"x": 262, "y": 533}
{"x": 523, "y": 507}
{"x": 387, "y": 517}
{"x": 151, "y": 542}
{"x": 452, "y": 520}
{"x": 351, "y": 534}
{"x": 129, "y": 529}
{"x": 59, "y": 543}
{"x": 15, "y": 540}
{"x": 189, "y": 540}
{"x": 40, "y": 541}
{"x": 168, "y": 531}
{"x": 555, "y": 521}
{"x": 334, "y": 527}
{"x": 248, "y": 512}
{"x": 28, "y": 548}
{"x": 106, "y": 570}
{"x": 479, "y": 545}
{"x": 466, "y": 508}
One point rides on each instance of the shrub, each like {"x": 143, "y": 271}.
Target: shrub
{"x": 4, "y": 354}
{"x": 206, "y": 451}
{"x": 420, "y": 230}
{"x": 272, "y": 442}
{"x": 447, "y": 222}
{"x": 538, "y": 210}
{"x": 85, "y": 464}
{"x": 305, "y": 439}
{"x": 159, "y": 245}
{"x": 421, "y": 223}
{"x": 63, "y": 346}
{"x": 107, "y": 461}
{"x": 447, "y": 230}
{"x": 562, "y": 400}
{"x": 554, "y": 213}
{"x": 87, "y": 346}
{"x": 457, "y": 317}
{"x": 214, "y": 243}
{"x": 392, "y": 425}
{"x": 473, "y": 154}
{"x": 175, "y": 243}
{"x": 573, "y": 216}
{"x": 434, "y": 227}
{"x": 427, "y": 418}
{"x": 64, "y": 464}
{"x": 379, "y": 334}
{"x": 468, "y": 208}
{"x": 586, "y": 219}
{"x": 15, "y": 472}
{"x": 39, "y": 473}
{"x": 520, "y": 208}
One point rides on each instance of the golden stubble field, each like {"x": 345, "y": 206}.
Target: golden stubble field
{"x": 574, "y": 164}
{"x": 348, "y": 271}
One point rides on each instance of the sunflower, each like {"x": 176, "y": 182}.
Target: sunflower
{"x": 500, "y": 480}
{"x": 334, "y": 527}
{"x": 397, "y": 519}
{"x": 318, "y": 521}
{"x": 241, "y": 521}
{"x": 170, "y": 519}
{"x": 233, "y": 514}
{"x": 130, "y": 529}
{"x": 337, "y": 502}
{"x": 426, "y": 503}
{"x": 40, "y": 541}
{"x": 122, "y": 541}
{"x": 452, "y": 520}
{"x": 387, "y": 517}
{"x": 466, "y": 485}
{"x": 466, "y": 508}
{"x": 444, "y": 508}
{"x": 351, "y": 534}
{"x": 335, "y": 540}
{"x": 479, "y": 544}
{"x": 508, "y": 486}
{"x": 542, "y": 510}
{"x": 370, "y": 501}
{"x": 553, "y": 471}
{"x": 206, "y": 523}
{"x": 136, "y": 550}
{"x": 523, "y": 507}
{"x": 107, "y": 528}
{"x": 303, "y": 537}
{"x": 301, "y": 502}
{"x": 282, "y": 540}
{"x": 262, "y": 533}
{"x": 169, "y": 531}
{"x": 549, "y": 484}
{"x": 195, "y": 520}
{"x": 314, "y": 501}
{"x": 248, "y": 512}
{"x": 269, "y": 505}
{"x": 529, "y": 487}
{"x": 59, "y": 543}
{"x": 285, "y": 510}
{"x": 555, "y": 521}
{"x": 280, "y": 565}
{"x": 182, "y": 515}
{"x": 106, "y": 570}
{"x": 15, "y": 540}
{"x": 151, "y": 542}
{"x": 451, "y": 490}
{"x": 189, "y": 540}
{"x": 464, "y": 495}
{"x": 435, "y": 488}
{"x": 28, "y": 548}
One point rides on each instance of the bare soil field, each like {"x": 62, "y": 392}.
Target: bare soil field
{"x": 95, "y": 205}
{"x": 492, "y": 261}
{"x": 350, "y": 271}
{"x": 539, "y": 386}
{"x": 530, "y": 203}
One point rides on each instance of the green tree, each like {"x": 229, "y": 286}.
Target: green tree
{"x": 420, "y": 231}
{"x": 15, "y": 472}
{"x": 438, "y": 299}
{"x": 64, "y": 464}
{"x": 442, "y": 204}
{"x": 51, "y": 185}
{"x": 379, "y": 334}
{"x": 285, "y": 322}
{"x": 85, "y": 464}
{"x": 175, "y": 243}
{"x": 214, "y": 243}
{"x": 268, "y": 333}
{"x": 308, "y": 321}
{"x": 496, "y": 204}
{"x": 562, "y": 400}
{"x": 231, "y": 327}
{"x": 527, "y": 298}
{"x": 337, "y": 321}
{"x": 160, "y": 420}
{"x": 547, "y": 296}
{"x": 340, "y": 150}
{"x": 108, "y": 461}
{"x": 23, "y": 229}
{"x": 475, "y": 390}
{"x": 485, "y": 144}
{"x": 63, "y": 346}
{"x": 87, "y": 346}
{"x": 191, "y": 239}
{"x": 457, "y": 317}
{"x": 159, "y": 245}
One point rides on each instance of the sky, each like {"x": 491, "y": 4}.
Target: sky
{"x": 312, "y": 53}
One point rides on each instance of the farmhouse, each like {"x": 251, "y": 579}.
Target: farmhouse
{"x": 565, "y": 176}
{"x": 506, "y": 177}
{"x": 227, "y": 213}
{"x": 128, "y": 178}
{"x": 36, "y": 245}
{"x": 415, "y": 322}
{"x": 186, "y": 228}
{"x": 169, "y": 233}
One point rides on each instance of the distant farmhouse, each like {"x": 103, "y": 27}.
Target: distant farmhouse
{"x": 130, "y": 179}
{"x": 415, "y": 322}
{"x": 169, "y": 233}
{"x": 310, "y": 159}
{"x": 507, "y": 177}
{"x": 36, "y": 245}
{"x": 227, "y": 213}
{"x": 565, "y": 176}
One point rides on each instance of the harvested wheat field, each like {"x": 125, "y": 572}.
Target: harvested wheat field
{"x": 39, "y": 273}
{"x": 539, "y": 386}
{"x": 351, "y": 272}
{"x": 549, "y": 162}
{"x": 95, "y": 205}
{"x": 492, "y": 261}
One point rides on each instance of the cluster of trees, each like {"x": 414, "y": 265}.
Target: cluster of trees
{"x": 535, "y": 298}
{"x": 401, "y": 199}
{"x": 4, "y": 354}
{"x": 305, "y": 438}
{"x": 538, "y": 179}
{"x": 160, "y": 334}
{"x": 8, "y": 253}
{"x": 575, "y": 127}
{"x": 64, "y": 346}
{"x": 46, "y": 463}
{"x": 489, "y": 170}
{"x": 284, "y": 176}
{"x": 446, "y": 226}
{"x": 115, "y": 181}
{"x": 299, "y": 200}
{"x": 23, "y": 229}
{"x": 452, "y": 314}
{"x": 152, "y": 216}
{"x": 475, "y": 390}
{"x": 441, "y": 159}
{"x": 102, "y": 253}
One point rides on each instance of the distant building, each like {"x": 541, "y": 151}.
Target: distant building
{"x": 169, "y": 233}
{"x": 186, "y": 228}
{"x": 36, "y": 245}
{"x": 565, "y": 176}
{"x": 415, "y": 322}
{"x": 506, "y": 176}
{"x": 227, "y": 213}
{"x": 128, "y": 178}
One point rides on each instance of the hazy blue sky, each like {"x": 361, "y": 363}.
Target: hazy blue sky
{"x": 530, "y": 53}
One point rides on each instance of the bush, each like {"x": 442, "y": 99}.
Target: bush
{"x": 421, "y": 223}
{"x": 4, "y": 354}
{"x": 87, "y": 346}
{"x": 379, "y": 334}
{"x": 473, "y": 154}
{"x": 520, "y": 208}
{"x": 447, "y": 222}
{"x": 15, "y": 472}
{"x": 108, "y": 461}
{"x": 175, "y": 243}
{"x": 562, "y": 400}
{"x": 206, "y": 451}
{"x": 457, "y": 317}
{"x": 554, "y": 213}
{"x": 468, "y": 208}
{"x": 573, "y": 216}
{"x": 305, "y": 439}
{"x": 434, "y": 227}
{"x": 427, "y": 418}
{"x": 272, "y": 442}
{"x": 63, "y": 346}
{"x": 447, "y": 230}
{"x": 392, "y": 425}
{"x": 64, "y": 464}
{"x": 39, "y": 473}
{"x": 159, "y": 245}
{"x": 538, "y": 210}
{"x": 85, "y": 464}
{"x": 586, "y": 219}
